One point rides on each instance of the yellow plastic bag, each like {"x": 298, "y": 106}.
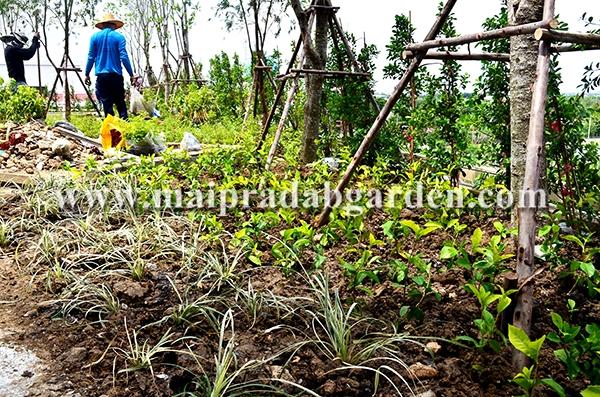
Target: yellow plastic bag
{"x": 112, "y": 133}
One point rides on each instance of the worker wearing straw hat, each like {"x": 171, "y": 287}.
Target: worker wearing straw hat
{"x": 108, "y": 51}
{"x": 15, "y": 54}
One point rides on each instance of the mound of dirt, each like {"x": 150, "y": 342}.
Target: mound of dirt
{"x": 35, "y": 147}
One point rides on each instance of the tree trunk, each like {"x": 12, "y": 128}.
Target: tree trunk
{"x": 314, "y": 88}
{"x": 523, "y": 57}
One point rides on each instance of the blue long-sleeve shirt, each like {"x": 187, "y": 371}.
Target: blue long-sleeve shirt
{"x": 108, "y": 49}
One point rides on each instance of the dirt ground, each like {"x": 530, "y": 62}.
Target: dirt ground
{"x": 75, "y": 357}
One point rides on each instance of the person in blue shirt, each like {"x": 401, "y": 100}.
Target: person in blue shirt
{"x": 108, "y": 50}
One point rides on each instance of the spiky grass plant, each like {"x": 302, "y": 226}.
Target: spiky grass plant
{"x": 222, "y": 269}
{"x": 141, "y": 356}
{"x": 6, "y": 232}
{"x": 189, "y": 312}
{"x": 41, "y": 195}
{"x": 337, "y": 336}
{"x": 228, "y": 378}
{"x": 137, "y": 268}
{"x": 90, "y": 299}
{"x": 251, "y": 301}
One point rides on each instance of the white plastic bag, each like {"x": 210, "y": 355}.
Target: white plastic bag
{"x": 189, "y": 143}
{"x": 136, "y": 102}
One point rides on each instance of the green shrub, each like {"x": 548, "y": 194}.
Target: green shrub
{"x": 20, "y": 104}
{"x": 196, "y": 104}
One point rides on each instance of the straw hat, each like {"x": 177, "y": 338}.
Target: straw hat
{"x": 109, "y": 18}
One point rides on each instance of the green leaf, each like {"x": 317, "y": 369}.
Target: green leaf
{"x": 503, "y": 303}
{"x": 561, "y": 354}
{"x": 499, "y": 227}
{"x": 448, "y": 253}
{"x": 519, "y": 339}
{"x": 411, "y": 225}
{"x": 387, "y": 229}
{"x": 588, "y": 268}
{"x": 575, "y": 240}
{"x": 591, "y": 391}
{"x": 476, "y": 240}
{"x": 255, "y": 259}
{"x": 551, "y": 383}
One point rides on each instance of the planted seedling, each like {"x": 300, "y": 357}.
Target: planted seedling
{"x": 489, "y": 334}
{"x": 528, "y": 379}
{"x": 579, "y": 348}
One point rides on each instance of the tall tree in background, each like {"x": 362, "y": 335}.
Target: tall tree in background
{"x": 260, "y": 19}
{"x": 183, "y": 20}
{"x": 17, "y": 15}
{"x": 68, "y": 14}
{"x": 316, "y": 58}
{"x": 161, "y": 14}
{"x": 140, "y": 38}
{"x": 523, "y": 61}
{"x": 491, "y": 91}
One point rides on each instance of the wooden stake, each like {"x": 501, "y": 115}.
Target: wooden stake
{"x": 572, "y": 48}
{"x": 527, "y": 208}
{"x": 332, "y": 73}
{"x": 459, "y": 56}
{"x": 280, "y": 127}
{"x": 382, "y": 117}
{"x": 280, "y": 90}
{"x": 567, "y": 37}
{"x": 488, "y": 35}
{"x": 357, "y": 66}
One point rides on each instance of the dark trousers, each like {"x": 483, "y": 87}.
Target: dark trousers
{"x": 110, "y": 91}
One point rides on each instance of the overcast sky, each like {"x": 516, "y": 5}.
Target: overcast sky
{"x": 374, "y": 22}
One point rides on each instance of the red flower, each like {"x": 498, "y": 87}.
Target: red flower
{"x": 568, "y": 168}
{"x": 566, "y": 192}
{"x": 556, "y": 126}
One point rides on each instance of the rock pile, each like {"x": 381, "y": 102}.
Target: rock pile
{"x": 43, "y": 150}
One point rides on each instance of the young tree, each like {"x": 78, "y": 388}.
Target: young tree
{"x": 316, "y": 58}
{"x": 227, "y": 79}
{"x": 184, "y": 18}
{"x": 264, "y": 16}
{"x": 523, "y": 61}
{"x": 68, "y": 14}
{"x": 491, "y": 91}
{"x": 161, "y": 13}
{"x": 591, "y": 76}
{"x": 140, "y": 37}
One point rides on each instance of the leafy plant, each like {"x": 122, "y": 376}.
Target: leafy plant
{"x": 362, "y": 269}
{"x": 20, "y": 104}
{"x": 579, "y": 348}
{"x": 527, "y": 379}
{"x": 488, "y": 331}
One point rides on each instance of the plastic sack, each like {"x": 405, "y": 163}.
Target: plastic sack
{"x": 189, "y": 143}
{"x": 138, "y": 105}
{"x": 136, "y": 102}
{"x": 148, "y": 145}
{"x": 112, "y": 133}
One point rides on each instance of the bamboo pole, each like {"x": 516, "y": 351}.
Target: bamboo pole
{"x": 567, "y": 37}
{"x": 382, "y": 117}
{"x": 357, "y": 67}
{"x": 522, "y": 317}
{"x": 488, "y": 35}
{"x": 335, "y": 73}
{"x": 459, "y": 56}
{"x": 284, "y": 116}
{"x": 571, "y": 48}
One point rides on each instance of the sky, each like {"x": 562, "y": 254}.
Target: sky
{"x": 372, "y": 22}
